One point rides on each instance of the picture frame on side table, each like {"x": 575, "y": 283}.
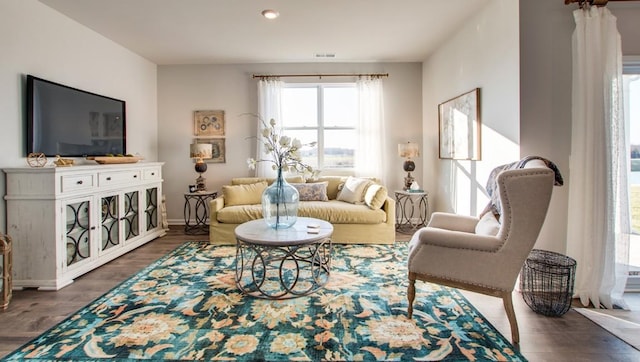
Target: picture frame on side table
{"x": 208, "y": 123}
{"x": 218, "y": 149}
{"x": 459, "y": 127}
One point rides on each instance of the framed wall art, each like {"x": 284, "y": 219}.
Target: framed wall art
{"x": 459, "y": 123}
{"x": 218, "y": 151}
{"x": 208, "y": 123}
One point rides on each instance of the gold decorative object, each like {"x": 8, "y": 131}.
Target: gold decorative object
{"x": 63, "y": 162}
{"x": 36, "y": 159}
{"x": 103, "y": 160}
{"x": 5, "y": 270}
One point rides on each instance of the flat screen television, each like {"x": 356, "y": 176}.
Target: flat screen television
{"x": 70, "y": 122}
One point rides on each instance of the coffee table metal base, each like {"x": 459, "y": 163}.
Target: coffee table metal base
{"x": 282, "y": 272}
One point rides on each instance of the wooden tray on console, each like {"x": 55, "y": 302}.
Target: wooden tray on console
{"x": 106, "y": 160}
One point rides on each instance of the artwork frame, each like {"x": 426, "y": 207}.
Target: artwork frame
{"x": 208, "y": 123}
{"x": 218, "y": 149}
{"x": 459, "y": 127}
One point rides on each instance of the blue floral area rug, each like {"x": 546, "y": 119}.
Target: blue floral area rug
{"x": 185, "y": 306}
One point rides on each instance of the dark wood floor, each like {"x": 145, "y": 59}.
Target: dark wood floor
{"x": 568, "y": 338}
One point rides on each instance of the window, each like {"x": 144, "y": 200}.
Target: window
{"x": 327, "y": 114}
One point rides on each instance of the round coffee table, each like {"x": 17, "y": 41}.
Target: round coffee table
{"x": 283, "y": 263}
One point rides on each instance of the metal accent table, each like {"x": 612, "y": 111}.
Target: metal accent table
{"x": 406, "y": 203}
{"x": 198, "y": 202}
{"x": 282, "y": 263}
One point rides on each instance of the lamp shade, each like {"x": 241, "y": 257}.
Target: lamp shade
{"x": 408, "y": 150}
{"x": 201, "y": 150}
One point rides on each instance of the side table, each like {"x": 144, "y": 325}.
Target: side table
{"x": 198, "y": 203}
{"x": 412, "y": 210}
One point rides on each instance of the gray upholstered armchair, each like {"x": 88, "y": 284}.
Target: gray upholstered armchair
{"x": 485, "y": 255}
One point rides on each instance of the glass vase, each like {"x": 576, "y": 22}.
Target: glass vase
{"x": 280, "y": 204}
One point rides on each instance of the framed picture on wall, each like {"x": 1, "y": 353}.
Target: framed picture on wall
{"x": 459, "y": 123}
{"x": 208, "y": 123}
{"x": 218, "y": 152}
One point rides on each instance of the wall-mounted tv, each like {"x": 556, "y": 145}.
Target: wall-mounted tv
{"x": 70, "y": 122}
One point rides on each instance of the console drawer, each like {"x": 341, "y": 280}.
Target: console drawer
{"x": 77, "y": 182}
{"x": 152, "y": 174}
{"x": 120, "y": 177}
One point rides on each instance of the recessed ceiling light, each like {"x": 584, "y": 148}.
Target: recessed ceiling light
{"x": 270, "y": 14}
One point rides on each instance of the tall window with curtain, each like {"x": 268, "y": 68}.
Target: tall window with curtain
{"x": 598, "y": 222}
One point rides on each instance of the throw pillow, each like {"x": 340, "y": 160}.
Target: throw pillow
{"x": 312, "y": 191}
{"x": 375, "y": 196}
{"x": 353, "y": 190}
{"x": 488, "y": 225}
{"x": 247, "y": 194}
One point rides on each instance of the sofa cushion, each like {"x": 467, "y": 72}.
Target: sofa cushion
{"x": 353, "y": 190}
{"x": 333, "y": 211}
{"x": 333, "y": 184}
{"x": 488, "y": 225}
{"x": 375, "y": 196}
{"x": 243, "y": 194}
{"x": 316, "y": 191}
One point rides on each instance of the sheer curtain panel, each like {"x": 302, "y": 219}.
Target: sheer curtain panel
{"x": 269, "y": 106}
{"x": 370, "y": 159}
{"x": 598, "y": 221}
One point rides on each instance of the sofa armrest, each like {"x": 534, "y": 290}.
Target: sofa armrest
{"x": 215, "y": 205}
{"x": 389, "y": 208}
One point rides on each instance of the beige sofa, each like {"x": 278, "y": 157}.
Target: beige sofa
{"x": 369, "y": 222}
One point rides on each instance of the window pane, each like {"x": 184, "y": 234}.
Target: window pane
{"x": 340, "y": 107}
{"x": 309, "y": 155}
{"x": 339, "y": 148}
{"x": 300, "y": 107}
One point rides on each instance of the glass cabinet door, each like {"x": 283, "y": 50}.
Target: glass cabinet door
{"x": 151, "y": 208}
{"x": 78, "y": 224}
{"x": 131, "y": 216}
{"x": 110, "y": 234}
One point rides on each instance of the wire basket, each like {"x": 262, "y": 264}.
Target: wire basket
{"x": 546, "y": 282}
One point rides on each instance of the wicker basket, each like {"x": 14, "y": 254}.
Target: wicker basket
{"x": 546, "y": 282}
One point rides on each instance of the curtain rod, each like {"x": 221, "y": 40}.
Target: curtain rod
{"x": 592, "y": 2}
{"x": 320, "y": 75}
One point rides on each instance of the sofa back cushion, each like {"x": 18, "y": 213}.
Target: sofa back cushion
{"x": 243, "y": 194}
{"x": 269, "y": 181}
{"x": 333, "y": 184}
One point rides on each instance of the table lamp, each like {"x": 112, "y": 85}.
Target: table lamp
{"x": 200, "y": 152}
{"x": 408, "y": 150}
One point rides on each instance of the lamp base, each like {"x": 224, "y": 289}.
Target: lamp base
{"x": 408, "y": 180}
{"x": 201, "y": 183}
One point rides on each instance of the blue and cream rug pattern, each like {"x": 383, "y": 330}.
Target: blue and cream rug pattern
{"x": 185, "y": 306}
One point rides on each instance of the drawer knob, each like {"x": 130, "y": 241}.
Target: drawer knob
{"x": 153, "y": 174}
{"x": 135, "y": 176}
{"x": 79, "y": 182}
{"x": 108, "y": 178}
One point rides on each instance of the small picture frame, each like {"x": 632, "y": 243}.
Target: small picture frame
{"x": 218, "y": 150}
{"x": 459, "y": 123}
{"x": 192, "y": 188}
{"x": 208, "y": 123}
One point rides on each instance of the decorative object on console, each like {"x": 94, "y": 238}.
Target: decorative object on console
{"x": 109, "y": 160}
{"x": 36, "y": 159}
{"x": 459, "y": 120}
{"x": 408, "y": 150}
{"x": 200, "y": 152}
{"x": 63, "y": 162}
{"x": 6, "y": 261}
{"x": 208, "y": 123}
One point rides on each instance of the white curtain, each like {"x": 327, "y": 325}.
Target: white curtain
{"x": 369, "y": 157}
{"x": 269, "y": 106}
{"x": 598, "y": 221}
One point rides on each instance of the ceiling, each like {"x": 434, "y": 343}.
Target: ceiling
{"x": 234, "y": 31}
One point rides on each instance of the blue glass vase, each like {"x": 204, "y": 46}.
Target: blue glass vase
{"x": 280, "y": 204}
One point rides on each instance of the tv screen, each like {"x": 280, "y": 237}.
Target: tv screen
{"x": 71, "y": 122}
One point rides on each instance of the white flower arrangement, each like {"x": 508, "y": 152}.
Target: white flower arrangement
{"x": 283, "y": 149}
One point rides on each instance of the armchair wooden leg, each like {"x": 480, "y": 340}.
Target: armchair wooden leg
{"x": 511, "y": 315}
{"x": 411, "y": 294}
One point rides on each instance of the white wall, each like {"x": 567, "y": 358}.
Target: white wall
{"x": 184, "y": 89}
{"x": 483, "y": 54}
{"x": 34, "y": 39}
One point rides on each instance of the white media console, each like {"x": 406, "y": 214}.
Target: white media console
{"x": 66, "y": 221}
